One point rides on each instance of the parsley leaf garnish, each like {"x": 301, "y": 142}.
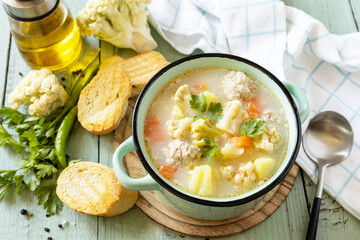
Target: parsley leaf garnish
{"x": 215, "y": 109}
{"x": 210, "y": 149}
{"x": 198, "y": 102}
{"x": 253, "y": 128}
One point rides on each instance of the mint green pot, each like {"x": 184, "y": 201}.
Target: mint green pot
{"x": 187, "y": 203}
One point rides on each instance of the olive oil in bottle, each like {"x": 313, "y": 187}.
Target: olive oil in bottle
{"x": 45, "y": 33}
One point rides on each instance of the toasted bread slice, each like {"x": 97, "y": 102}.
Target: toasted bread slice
{"x": 94, "y": 189}
{"x": 110, "y": 62}
{"x": 103, "y": 102}
{"x": 141, "y": 68}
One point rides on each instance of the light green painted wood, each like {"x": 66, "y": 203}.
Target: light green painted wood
{"x": 297, "y": 210}
{"x": 334, "y": 221}
{"x": 335, "y": 15}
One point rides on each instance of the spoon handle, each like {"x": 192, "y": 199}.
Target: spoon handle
{"x": 314, "y": 217}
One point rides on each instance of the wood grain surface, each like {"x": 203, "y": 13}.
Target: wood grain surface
{"x": 288, "y": 222}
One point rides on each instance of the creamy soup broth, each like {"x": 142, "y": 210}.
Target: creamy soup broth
{"x": 175, "y": 140}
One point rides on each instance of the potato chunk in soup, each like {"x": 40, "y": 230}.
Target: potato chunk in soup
{"x": 215, "y": 132}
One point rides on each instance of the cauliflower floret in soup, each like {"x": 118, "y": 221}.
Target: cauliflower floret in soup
{"x": 237, "y": 85}
{"x": 202, "y": 128}
{"x": 246, "y": 175}
{"x": 227, "y": 172}
{"x": 181, "y": 100}
{"x": 178, "y": 128}
{"x": 268, "y": 140}
{"x": 180, "y": 152}
{"x": 233, "y": 116}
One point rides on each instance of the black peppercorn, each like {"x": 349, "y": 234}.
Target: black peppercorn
{"x": 60, "y": 225}
{"x": 47, "y": 229}
{"x": 50, "y": 238}
{"x": 48, "y": 215}
{"x": 23, "y": 211}
{"x": 62, "y": 79}
{"x": 20, "y": 73}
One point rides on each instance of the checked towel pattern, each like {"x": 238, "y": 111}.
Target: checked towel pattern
{"x": 293, "y": 46}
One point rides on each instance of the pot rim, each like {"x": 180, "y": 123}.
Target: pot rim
{"x": 207, "y": 202}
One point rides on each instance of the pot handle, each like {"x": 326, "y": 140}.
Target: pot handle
{"x": 139, "y": 184}
{"x": 304, "y": 106}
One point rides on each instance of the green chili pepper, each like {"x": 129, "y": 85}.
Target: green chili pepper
{"x": 63, "y": 135}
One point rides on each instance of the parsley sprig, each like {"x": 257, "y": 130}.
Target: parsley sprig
{"x": 210, "y": 149}
{"x": 199, "y": 103}
{"x": 34, "y": 137}
{"x": 253, "y": 128}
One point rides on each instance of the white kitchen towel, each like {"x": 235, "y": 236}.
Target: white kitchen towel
{"x": 293, "y": 46}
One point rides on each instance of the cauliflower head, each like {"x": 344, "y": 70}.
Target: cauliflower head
{"x": 233, "y": 116}
{"x": 40, "y": 90}
{"x": 120, "y": 22}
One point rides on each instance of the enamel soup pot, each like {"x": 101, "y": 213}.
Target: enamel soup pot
{"x": 187, "y": 203}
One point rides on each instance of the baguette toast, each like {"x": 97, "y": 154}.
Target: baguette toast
{"x": 94, "y": 189}
{"x": 103, "y": 102}
{"x": 140, "y": 68}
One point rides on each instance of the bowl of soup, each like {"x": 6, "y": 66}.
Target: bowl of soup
{"x": 215, "y": 133}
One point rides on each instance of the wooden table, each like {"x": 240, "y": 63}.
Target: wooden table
{"x": 288, "y": 222}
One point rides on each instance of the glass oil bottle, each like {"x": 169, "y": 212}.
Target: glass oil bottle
{"x": 45, "y": 33}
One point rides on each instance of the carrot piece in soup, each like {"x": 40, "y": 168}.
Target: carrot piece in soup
{"x": 252, "y": 110}
{"x": 200, "y": 86}
{"x": 167, "y": 171}
{"x": 242, "y": 142}
{"x": 153, "y": 129}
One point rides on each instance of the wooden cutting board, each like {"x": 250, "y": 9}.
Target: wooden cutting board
{"x": 166, "y": 216}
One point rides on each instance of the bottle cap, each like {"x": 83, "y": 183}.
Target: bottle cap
{"x": 29, "y": 10}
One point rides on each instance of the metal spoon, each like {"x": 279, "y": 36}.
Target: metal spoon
{"x": 327, "y": 141}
